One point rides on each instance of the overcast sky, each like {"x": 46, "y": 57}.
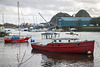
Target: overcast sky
{"x": 29, "y": 9}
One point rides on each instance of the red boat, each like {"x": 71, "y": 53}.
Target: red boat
{"x": 11, "y": 39}
{"x": 16, "y": 38}
{"x": 64, "y": 45}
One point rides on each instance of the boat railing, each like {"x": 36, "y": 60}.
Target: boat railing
{"x": 50, "y": 35}
{"x": 65, "y": 40}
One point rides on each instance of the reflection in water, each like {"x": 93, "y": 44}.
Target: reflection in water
{"x": 51, "y": 59}
{"x": 16, "y": 44}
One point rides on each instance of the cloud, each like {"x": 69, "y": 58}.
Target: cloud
{"x": 88, "y": 1}
{"x": 49, "y": 8}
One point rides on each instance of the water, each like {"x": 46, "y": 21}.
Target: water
{"x": 35, "y": 58}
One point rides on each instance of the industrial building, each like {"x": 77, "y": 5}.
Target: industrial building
{"x": 73, "y": 21}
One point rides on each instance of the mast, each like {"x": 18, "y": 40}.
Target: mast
{"x": 3, "y": 18}
{"x": 18, "y": 55}
{"x": 33, "y": 19}
{"x": 18, "y": 17}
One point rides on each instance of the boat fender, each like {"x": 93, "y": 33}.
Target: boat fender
{"x": 89, "y": 52}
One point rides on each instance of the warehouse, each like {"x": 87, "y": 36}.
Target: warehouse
{"x": 73, "y": 21}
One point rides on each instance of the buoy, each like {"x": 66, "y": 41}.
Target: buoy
{"x": 77, "y": 40}
{"x": 89, "y": 52}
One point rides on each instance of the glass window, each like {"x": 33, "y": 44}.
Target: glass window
{"x": 52, "y": 45}
{"x": 59, "y": 40}
{"x": 54, "y": 40}
{"x": 58, "y": 45}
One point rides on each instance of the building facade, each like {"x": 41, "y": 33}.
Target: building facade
{"x": 73, "y": 21}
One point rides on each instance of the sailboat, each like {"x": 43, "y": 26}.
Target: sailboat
{"x": 14, "y": 38}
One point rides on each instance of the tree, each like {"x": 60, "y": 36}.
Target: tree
{"x": 95, "y": 21}
{"x": 56, "y": 17}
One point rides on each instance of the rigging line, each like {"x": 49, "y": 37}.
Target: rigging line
{"x": 22, "y": 14}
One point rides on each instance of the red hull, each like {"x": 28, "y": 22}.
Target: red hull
{"x": 77, "y": 47}
{"x": 16, "y": 40}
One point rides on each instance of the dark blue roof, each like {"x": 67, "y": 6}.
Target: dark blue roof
{"x": 43, "y": 23}
{"x": 76, "y": 18}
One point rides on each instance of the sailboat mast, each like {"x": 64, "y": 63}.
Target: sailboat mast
{"x": 2, "y": 18}
{"x": 18, "y": 17}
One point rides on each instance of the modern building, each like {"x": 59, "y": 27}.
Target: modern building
{"x": 73, "y": 21}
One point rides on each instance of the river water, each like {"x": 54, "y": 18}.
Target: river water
{"x": 34, "y": 58}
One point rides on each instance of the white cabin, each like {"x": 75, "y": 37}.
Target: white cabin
{"x": 2, "y": 29}
{"x": 47, "y": 37}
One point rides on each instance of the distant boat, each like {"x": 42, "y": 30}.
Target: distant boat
{"x": 73, "y": 29}
{"x": 24, "y": 29}
{"x": 17, "y": 38}
{"x": 12, "y": 39}
{"x": 72, "y": 33}
{"x": 63, "y": 45}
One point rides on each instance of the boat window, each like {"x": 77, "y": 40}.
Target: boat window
{"x": 54, "y": 40}
{"x": 43, "y": 36}
{"x": 59, "y": 40}
{"x": 58, "y": 45}
{"x": 64, "y": 41}
{"x": 78, "y": 44}
{"x": 72, "y": 40}
{"x": 50, "y": 37}
{"x": 68, "y": 40}
{"x": 52, "y": 45}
